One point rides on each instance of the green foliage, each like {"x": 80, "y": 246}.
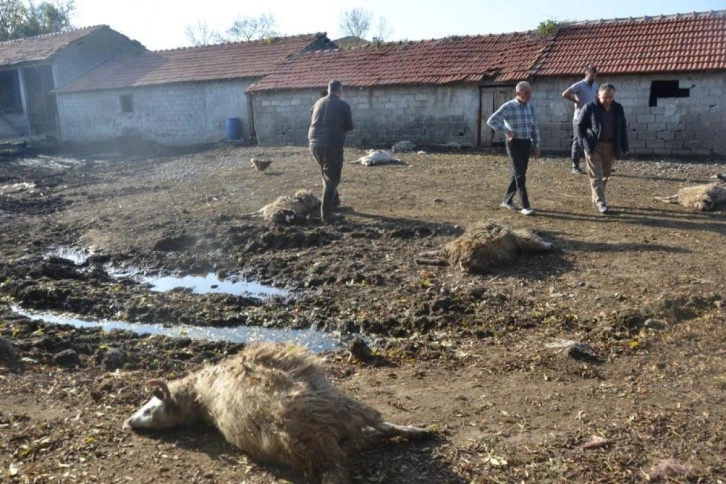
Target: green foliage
{"x": 551, "y": 26}
{"x": 19, "y": 18}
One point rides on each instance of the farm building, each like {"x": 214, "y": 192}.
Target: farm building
{"x": 174, "y": 97}
{"x": 31, "y": 68}
{"x": 668, "y": 70}
{"x": 95, "y": 85}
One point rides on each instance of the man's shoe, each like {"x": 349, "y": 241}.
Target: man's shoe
{"x": 527, "y": 211}
{"x": 577, "y": 171}
{"x": 508, "y": 206}
{"x": 602, "y": 208}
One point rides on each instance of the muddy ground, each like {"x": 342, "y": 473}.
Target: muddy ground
{"x": 473, "y": 357}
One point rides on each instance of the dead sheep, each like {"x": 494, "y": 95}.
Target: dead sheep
{"x": 404, "y": 146}
{"x": 288, "y": 209}
{"x": 701, "y": 198}
{"x": 377, "y": 157}
{"x": 484, "y": 246}
{"x": 275, "y": 403}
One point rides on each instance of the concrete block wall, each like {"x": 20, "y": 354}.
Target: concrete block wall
{"x": 382, "y": 116}
{"x": 678, "y": 126}
{"x": 171, "y": 114}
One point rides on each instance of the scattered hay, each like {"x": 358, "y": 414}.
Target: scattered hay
{"x": 665, "y": 469}
{"x": 484, "y": 246}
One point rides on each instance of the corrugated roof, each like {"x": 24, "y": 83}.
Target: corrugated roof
{"x": 673, "y": 43}
{"x": 41, "y": 47}
{"x": 238, "y": 60}
{"x": 497, "y": 57}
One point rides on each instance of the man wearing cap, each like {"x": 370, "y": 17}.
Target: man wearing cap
{"x": 580, "y": 93}
{"x": 331, "y": 120}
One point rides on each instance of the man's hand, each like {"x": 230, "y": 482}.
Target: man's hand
{"x": 511, "y": 135}
{"x": 537, "y": 153}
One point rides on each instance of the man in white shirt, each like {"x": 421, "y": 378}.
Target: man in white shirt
{"x": 580, "y": 93}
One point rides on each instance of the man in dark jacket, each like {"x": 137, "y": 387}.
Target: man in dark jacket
{"x": 604, "y": 136}
{"x": 331, "y": 120}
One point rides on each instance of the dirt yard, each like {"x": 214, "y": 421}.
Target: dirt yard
{"x": 480, "y": 359}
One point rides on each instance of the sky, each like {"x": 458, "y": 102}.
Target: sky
{"x": 160, "y": 24}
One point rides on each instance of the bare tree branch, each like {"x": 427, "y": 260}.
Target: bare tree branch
{"x": 383, "y": 31}
{"x": 356, "y": 22}
{"x": 202, "y": 34}
{"x": 253, "y": 28}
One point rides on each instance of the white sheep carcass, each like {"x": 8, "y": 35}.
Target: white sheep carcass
{"x": 484, "y": 246}
{"x": 275, "y": 403}
{"x": 287, "y": 209}
{"x": 701, "y": 198}
{"x": 377, "y": 157}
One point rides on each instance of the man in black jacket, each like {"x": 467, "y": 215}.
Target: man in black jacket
{"x": 331, "y": 119}
{"x": 603, "y": 133}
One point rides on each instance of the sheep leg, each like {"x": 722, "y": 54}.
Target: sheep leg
{"x": 431, "y": 258}
{"x": 408, "y": 431}
{"x": 671, "y": 199}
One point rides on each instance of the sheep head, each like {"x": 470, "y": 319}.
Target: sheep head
{"x": 161, "y": 412}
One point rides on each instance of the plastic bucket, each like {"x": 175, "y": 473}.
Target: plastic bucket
{"x": 234, "y": 128}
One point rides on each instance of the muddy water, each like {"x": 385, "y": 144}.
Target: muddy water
{"x": 198, "y": 284}
{"x": 315, "y": 341}
{"x": 211, "y": 284}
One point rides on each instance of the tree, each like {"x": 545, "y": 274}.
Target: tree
{"x": 551, "y": 26}
{"x": 252, "y": 28}
{"x": 19, "y": 19}
{"x": 202, "y": 34}
{"x": 356, "y": 22}
{"x": 383, "y": 31}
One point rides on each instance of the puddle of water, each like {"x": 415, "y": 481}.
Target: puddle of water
{"x": 211, "y": 284}
{"x": 76, "y": 256}
{"x": 315, "y": 341}
{"x": 207, "y": 284}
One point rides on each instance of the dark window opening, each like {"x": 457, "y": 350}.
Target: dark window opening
{"x": 40, "y": 99}
{"x": 127, "y": 103}
{"x": 10, "y": 101}
{"x": 666, "y": 89}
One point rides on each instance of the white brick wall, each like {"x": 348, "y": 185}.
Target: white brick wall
{"x": 382, "y": 116}
{"x": 196, "y": 113}
{"x": 171, "y": 114}
{"x": 676, "y": 126}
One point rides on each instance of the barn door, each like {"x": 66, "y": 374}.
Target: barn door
{"x": 491, "y": 99}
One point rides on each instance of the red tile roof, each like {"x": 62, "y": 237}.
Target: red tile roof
{"x": 495, "y": 57}
{"x": 673, "y": 43}
{"x": 41, "y": 47}
{"x": 238, "y": 60}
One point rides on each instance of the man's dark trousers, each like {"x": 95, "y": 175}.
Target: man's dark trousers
{"x": 576, "y": 145}
{"x": 330, "y": 159}
{"x": 518, "y": 151}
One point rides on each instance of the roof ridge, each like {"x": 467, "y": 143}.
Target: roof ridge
{"x": 60, "y": 32}
{"x": 265, "y": 40}
{"x": 654, "y": 18}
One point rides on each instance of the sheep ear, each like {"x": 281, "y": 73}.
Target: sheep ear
{"x": 159, "y": 389}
